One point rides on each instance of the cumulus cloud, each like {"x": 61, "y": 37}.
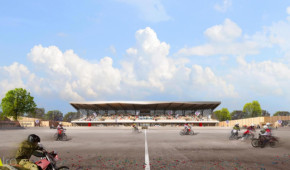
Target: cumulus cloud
{"x": 74, "y": 77}
{"x": 148, "y": 62}
{"x": 18, "y": 76}
{"x": 205, "y": 79}
{"x": 226, "y": 39}
{"x": 147, "y": 69}
{"x": 150, "y": 10}
{"x": 227, "y": 32}
{"x": 288, "y": 10}
{"x": 149, "y": 65}
{"x": 266, "y": 78}
{"x": 224, "y": 6}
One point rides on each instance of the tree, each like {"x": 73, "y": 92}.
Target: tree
{"x": 225, "y": 114}
{"x": 71, "y": 116}
{"x": 17, "y": 102}
{"x": 237, "y": 114}
{"x": 222, "y": 114}
{"x": 282, "y": 113}
{"x": 252, "y": 109}
{"x": 55, "y": 115}
{"x": 37, "y": 113}
{"x": 217, "y": 115}
{"x": 265, "y": 113}
{"x": 257, "y": 111}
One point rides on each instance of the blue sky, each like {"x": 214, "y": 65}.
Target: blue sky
{"x": 158, "y": 50}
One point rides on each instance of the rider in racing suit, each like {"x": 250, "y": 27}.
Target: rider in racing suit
{"x": 187, "y": 128}
{"x": 265, "y": 135}
{"x": 26, "y": 149}
{"x": 236, "y": 128}
{"x": 59, "y": 130}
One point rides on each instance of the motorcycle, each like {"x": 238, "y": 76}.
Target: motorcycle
{"x": 248, "y": 134}
{"x": 234, "y": 135}
{"x": 136, "y": 130}
{"x": 62, "y": 137}
{"x": 258, "y": 142}
{"x": 48, "y": 162}
{"x": 184, "y": 132}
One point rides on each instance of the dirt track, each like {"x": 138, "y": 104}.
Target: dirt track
{"x": 119, "y": 148}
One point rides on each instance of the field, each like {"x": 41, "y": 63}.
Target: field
{"x": 119, "y": 148}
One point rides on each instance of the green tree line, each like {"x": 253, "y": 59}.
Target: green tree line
{"x": 19, "y": 102}
{"x": 252, "y": 109}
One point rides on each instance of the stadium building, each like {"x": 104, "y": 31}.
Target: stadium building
{"x": 145, "y": 113}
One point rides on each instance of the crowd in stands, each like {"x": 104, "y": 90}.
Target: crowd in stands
{"x": 133, "y": 117}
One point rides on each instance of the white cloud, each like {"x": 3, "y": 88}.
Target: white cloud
{"x": 288, "y": 10}
{"x": 18, "y": 76}
{"x": 146, "y": 70}
{"x": 224, "y": 7}
{"x": 266, "y": 78}
{"x": 227, "y": 39}
{"x": 148, "y": 65}
{"x": 150, "y": 10}
{"x": 148, "y": 62}
{"x": 74, "y": 77}
{"x": 227, "y": 32}
{"x": 205, "y": 79}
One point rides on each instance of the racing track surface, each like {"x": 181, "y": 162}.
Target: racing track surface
{"x": 119, "y": 148}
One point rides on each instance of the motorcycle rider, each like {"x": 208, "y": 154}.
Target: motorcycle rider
{"x": 59, "y": 131}
{"x": 249, "y": 130}
{"x": 252, "y": 127}
{"x": 269, "y": 126}
{"x": 236, "y": 128}
{"x": 135, "y": 127}
{"x": 26, "y": 149}
{"x": 187, "y": 128}
{"x": 265, "y": 135}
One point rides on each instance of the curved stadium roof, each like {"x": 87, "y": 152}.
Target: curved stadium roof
{"x": 145, "y": 105}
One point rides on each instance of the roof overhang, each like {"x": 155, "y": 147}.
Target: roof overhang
{"x": 145, "y": 105}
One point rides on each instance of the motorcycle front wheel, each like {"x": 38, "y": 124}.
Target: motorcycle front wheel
{"x": 55, "y": 136}
{"x": 64, "y": 137}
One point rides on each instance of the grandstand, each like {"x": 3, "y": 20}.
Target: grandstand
{"x": 145, "y": 113}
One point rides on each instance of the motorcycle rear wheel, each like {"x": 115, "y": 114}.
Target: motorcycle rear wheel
{"x": 273, "y": 144}
{"x": 255, "y": 143}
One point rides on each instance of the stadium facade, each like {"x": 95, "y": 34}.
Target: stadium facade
{"x": 145, "y": 113}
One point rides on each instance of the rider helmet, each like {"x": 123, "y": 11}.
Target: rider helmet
{"x": 265, "y": 126}
{"x": 268, "y": 124}
{"x": 252, "y": 124}
{"x": 33, "y": 138}
{"x": 237, "y": 124}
